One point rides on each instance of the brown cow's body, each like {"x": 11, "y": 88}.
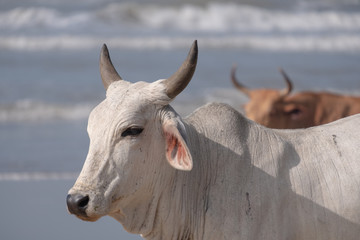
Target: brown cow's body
{"x": 278, "y": 109}
{"x": 321, "y": 107}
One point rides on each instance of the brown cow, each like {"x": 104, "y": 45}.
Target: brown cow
{"x": 278, "y": 109}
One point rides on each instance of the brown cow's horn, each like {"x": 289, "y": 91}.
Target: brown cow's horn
{"x": 180, "y": 79}
{"x": 286, "y": 91}
{"x": 238, "y": 85}
{"x": 107, "y": 70}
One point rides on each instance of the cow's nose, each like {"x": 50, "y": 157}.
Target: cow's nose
{"x": 77, "y": 204}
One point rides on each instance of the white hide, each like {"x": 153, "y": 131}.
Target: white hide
{"x": 241, "y": 180}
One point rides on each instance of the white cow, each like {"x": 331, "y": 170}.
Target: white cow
{"x": 215, "y": 174}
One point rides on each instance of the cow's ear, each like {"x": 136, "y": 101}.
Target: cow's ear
{"x": 176, "y": 149}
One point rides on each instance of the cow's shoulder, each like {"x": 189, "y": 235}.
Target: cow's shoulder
{"x": 218, "y": 117}
{"x": 216, "y": 112}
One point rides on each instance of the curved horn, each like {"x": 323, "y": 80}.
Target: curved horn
{"x": 238, "y": 85}
{"x": 107, "y": 70}
{"x": 286, "y": 91}
{"x": 180, "y": 79}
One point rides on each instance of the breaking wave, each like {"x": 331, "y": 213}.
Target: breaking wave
{"x": 32, "y": 111}
{"x": 212, "y": 17}
{"x": 37, "y": 176}
{"x": 149, "y": 26}
{"x": 340, "y": 42}
{"x": 22, "y": 18}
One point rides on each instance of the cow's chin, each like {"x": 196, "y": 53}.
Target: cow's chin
{"x": 89, "y": 218}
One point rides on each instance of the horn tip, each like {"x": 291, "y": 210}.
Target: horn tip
{"x": 281, "y": 70}
{"x": 287, "y": 80}
{"x": 194, "y": 49}
{"x": 107, "y": 70}
{"x": 233, "y": 68}
{"x": 180, "y": 79}
{"x": 233, "y": 73}
{"x": 104, "y": 50}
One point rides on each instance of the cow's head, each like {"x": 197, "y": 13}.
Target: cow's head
{"x": 271, "y": 107}
{"x": 132, "y": 134}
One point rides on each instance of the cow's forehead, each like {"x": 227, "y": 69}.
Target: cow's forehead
{"x": 122, "y": 92}
{"x": 126, "y": 102}
{"x": 268, "y": 94}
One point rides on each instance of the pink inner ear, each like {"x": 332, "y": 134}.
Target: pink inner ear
{"x": 175, "y": 150}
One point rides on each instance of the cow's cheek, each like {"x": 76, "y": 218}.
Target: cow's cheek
{"x": 123, "y": 179}
{"x": 132, "y": 167}
{"x": 102, "y": 186}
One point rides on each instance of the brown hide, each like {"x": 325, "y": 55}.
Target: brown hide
{"x": 274, "y": 109}
{"x": 317, "y": 108}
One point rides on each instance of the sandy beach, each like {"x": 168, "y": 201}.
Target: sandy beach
{"x": 37, "y": 210}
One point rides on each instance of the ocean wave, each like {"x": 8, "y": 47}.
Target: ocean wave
{"x": 220, "y": 17}
{"x": 32, "y": 111}
{"x": 324, "y": 43}
{"x": 40, "y": 17}
{"x": 211, "y": 17}
{"x": 37, "y": 176}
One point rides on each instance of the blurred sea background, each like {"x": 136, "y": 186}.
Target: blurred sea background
{"x": 49, "y": 80}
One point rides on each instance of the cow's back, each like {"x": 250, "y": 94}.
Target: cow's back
{"x": 331, "y": 107}
{"x": 326, "y": 178}
{"x": 278, "y": 184}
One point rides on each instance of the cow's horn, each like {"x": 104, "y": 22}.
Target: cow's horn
{"x": 237, "y": 84}
{"x": 107, "y": 70}
{"x": 286, "y": 91}
{"x": 180, "y": 79}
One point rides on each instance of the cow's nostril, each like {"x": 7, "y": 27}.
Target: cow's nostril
{"x": 83, "y": 202}
{"x": 77, "y": 204}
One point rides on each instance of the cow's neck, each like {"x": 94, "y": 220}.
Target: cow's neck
{"x": 181, "y": 205}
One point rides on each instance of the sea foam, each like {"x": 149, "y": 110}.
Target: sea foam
{"x": 212, "y": 17}
{"x": 153, "y": 26}
{"x": 30, "y": 111}
{"x": 339, "y": 42}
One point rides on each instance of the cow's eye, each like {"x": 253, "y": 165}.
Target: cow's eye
{"x": 295, "y": 111}
{"x": 132, "y": 131}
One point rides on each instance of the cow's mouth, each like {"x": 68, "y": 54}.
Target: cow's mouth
{"x": 88, "y": 219}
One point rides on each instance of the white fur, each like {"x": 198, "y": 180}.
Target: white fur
{"x": 247, "y": 181}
